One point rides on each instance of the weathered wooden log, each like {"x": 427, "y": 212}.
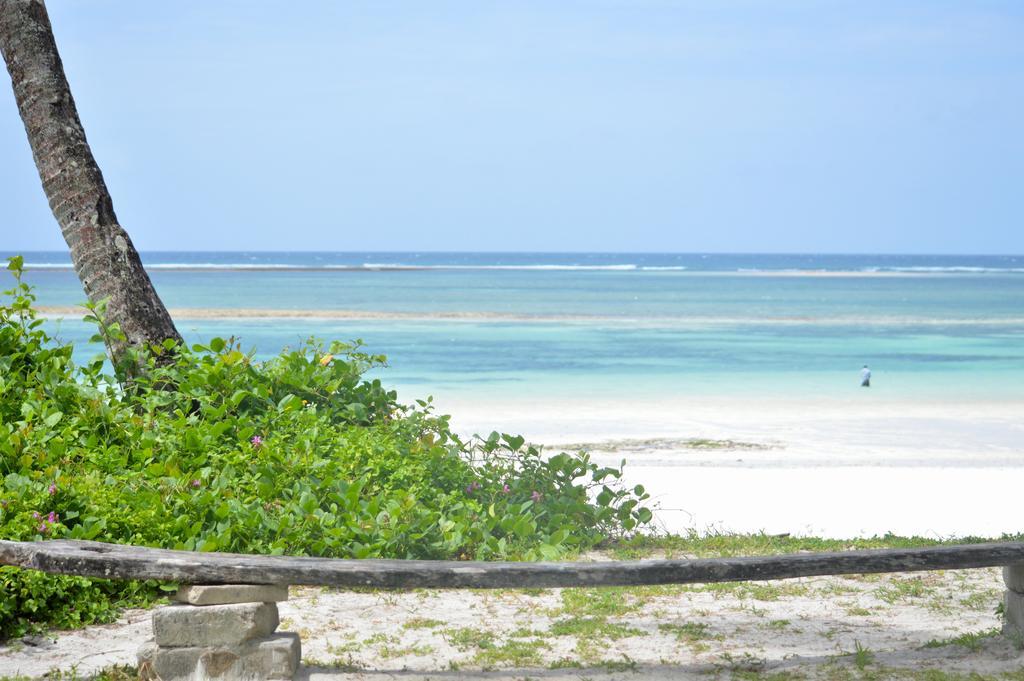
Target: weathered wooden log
{"x": 115, "y": 561}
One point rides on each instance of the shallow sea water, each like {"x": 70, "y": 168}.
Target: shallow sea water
{"x": 935, "y": 327}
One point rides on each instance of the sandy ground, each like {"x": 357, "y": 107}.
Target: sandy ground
{"x": 835, "y": 468}
{"x": 831, "y": 468}
{"x": 809, "y": 628}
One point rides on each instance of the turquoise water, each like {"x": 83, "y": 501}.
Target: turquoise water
{"x": 931, "y": 327}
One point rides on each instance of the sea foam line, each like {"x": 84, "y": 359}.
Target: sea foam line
{"x": 59, "y": 311}
{"x": 867, "y": 271}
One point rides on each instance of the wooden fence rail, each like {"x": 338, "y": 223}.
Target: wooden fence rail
{"x": 225, "y": 623}
{"x": 114, "y": 561}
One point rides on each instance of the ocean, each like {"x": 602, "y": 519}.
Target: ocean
{"x": 613, "y": 325}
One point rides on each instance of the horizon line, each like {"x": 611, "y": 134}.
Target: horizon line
{"x": 556, "y": 252}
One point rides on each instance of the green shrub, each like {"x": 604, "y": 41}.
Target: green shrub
{"x": 206, "y": 449}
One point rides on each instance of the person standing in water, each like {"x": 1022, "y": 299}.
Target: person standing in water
{"x": 865, "y": 377}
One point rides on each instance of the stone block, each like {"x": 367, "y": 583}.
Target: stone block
{"x": 178, "y": 626}
{"x": 1013, "y": 575}
{"x": 276, "y": 657}
{"x": 223, "y": 594}
{"x": 144, "y": 657}
{"x": 280, "y": 655}
{"x": 1013, "y": 624}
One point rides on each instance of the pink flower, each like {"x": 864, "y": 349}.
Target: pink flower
{"x": 195, "y": 483}
{"x": 42, "y": 528}
{"x": 52, "y": 518}
{"x": 256, "y": 441}
{"x": 535, "y": 496}
{"x": 505, "y": 489}
{"x": 52, "y": 488}
{"x": 35, "y": 515}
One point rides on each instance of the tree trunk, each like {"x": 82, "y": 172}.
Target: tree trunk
{"x": 103, "y": 255}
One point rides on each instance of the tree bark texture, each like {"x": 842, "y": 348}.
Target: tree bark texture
{"x": 102, "y": 253}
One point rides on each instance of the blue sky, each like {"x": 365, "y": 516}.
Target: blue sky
{"x": 608, "y": 125}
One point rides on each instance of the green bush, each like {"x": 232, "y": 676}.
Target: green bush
{"x": 206, "y": 449}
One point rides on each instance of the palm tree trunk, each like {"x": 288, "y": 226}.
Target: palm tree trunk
{"x": 103, "y": 255}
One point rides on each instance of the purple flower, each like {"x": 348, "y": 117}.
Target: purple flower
{"x": 256, "y": 441}
{"x": 52, "y": 489}
{"x": 52, "y": 518}
{"x": 195, "y": 483}
{"x": 35, "y": 515}
{"x": 535, "y": 496}
{"x": 505, "y": 489}
{"x": 42, "y": 528}
{"x": 472, "y": 487}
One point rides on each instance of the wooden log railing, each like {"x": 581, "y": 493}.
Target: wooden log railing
{"x": 115, "y": 561}
{"x": 225, "y": 624}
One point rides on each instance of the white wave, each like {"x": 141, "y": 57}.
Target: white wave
{"x": 653, "y": 321}
{"x": 783, "y": 270}
{"x": 222, "y": 266}
{"x": 653, "y": 268}
{"x": 184, "y": 266}
{"x": 961, "y": 268}
{"x": 402, "y": 266}
{"x": 177, "y": 266}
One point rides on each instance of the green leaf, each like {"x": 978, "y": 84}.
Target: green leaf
{"x": 289, "y": 402}
{"x": 514, "y": 442}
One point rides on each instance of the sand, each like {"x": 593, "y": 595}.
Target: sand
{"x": 830, "y": 468}
{"x": 811, "y": 626}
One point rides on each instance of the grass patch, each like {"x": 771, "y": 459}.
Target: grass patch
{"x": 903, "y": 589}
{"x": 973, "y": 641}
{"x": 593, "y": 627}
{"x": 758, "y": 591}
{"x": 602, "y": 602}
{"x": 468, "y": 638}
{"x": 694, "y": 634}
{"x": 981, "y": 601}
{"x": 862, "y": 657}
{"x": 711, "y": 545}
{"x": 422, "y": 623}
{"x": 513, "y": 653}
{"x": 778, "y": 625}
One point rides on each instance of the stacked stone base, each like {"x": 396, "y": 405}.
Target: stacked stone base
{"x": 221, "y": 632}
{"x": 1013, "y": 610}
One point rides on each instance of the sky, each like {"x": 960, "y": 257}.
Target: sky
{"x": 860, "y": 126}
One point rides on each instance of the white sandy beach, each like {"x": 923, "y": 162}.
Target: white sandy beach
{"x": 812, "y": 628}
{"x": 833, "y": 468}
